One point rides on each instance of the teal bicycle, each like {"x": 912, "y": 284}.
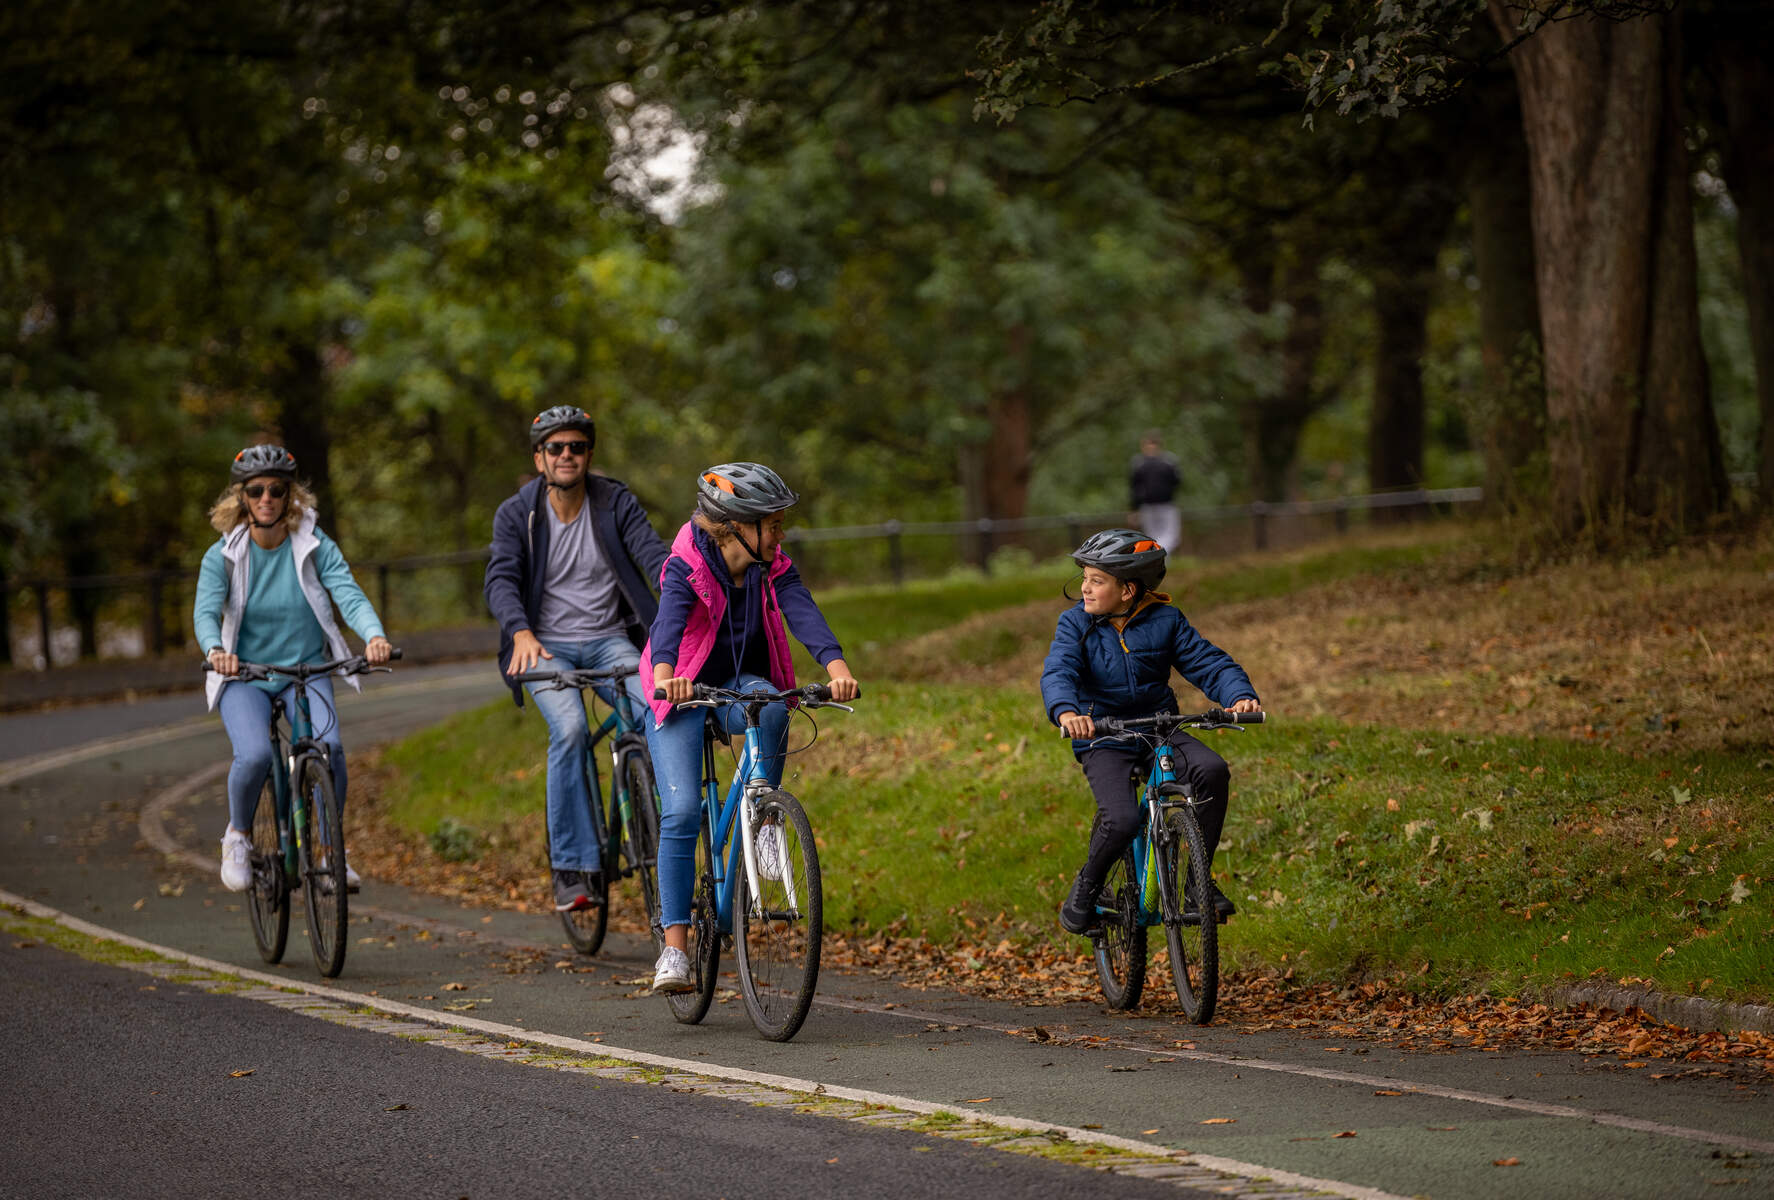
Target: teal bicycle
{"x": 760, "y": 892}
{"x": 629, "y": 834}
{"x": 298, "y": 831}
{"x": 1164, "y": 878}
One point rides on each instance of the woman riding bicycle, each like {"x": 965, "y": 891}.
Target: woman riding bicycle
{"x": 1112, "y": 655}
{"x": 726, "y": 595}
{"x": 265, "y": 594}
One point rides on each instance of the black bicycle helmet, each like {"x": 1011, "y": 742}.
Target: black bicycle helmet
{"x": 551, "y": 421}
{"x": 1127, "y": 554}
{"x": 742, "y": 491}
{"x": 264, "y": 459}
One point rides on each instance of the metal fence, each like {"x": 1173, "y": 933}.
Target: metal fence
{"x": 50, "y": 622}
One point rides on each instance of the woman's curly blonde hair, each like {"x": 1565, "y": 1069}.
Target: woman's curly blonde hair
{"x": 229, "y": 509}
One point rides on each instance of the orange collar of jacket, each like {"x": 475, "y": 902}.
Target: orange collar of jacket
{"x": 1149, "y": 600}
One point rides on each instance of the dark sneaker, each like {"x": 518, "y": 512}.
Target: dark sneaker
{"x": 1078, "y": 914}
{"x": 1222, "y": 907}
{"x": 569, "y": 892}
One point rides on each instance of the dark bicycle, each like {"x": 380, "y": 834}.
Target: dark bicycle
{"x": 1164, "y": 878}
{"x": 629, "y": 834}
{"x": 298, "y": 831}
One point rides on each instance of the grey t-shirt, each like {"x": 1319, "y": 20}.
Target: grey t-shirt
{"x": 579, "y": 598}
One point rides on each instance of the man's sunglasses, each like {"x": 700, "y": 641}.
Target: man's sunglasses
{"x": 255, "y": 490}
{"x": 577, "y": 449}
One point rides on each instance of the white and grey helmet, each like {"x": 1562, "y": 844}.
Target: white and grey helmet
{"x": 1127, "y": 554}
{"x": 742, "y": 491}
{"x": 264, "y": 459}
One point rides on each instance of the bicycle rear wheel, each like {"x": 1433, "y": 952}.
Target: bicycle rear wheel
{"x": 1121, "y": 943}
{"x": 705, "y": 937}
{"x": 323, "y": 864}
{"x": 268, "y": 899}
{"x": 585, "y": 927}
{"x": 1190, "y": 924}
{"x": 777, "y": 945}
{"x": 642, "y": 836}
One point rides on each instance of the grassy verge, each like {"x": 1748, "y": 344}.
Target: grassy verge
{"x": 1465, "y": 856}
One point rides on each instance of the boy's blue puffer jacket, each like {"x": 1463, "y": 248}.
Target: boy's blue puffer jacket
{"x": 1094, "y": 670}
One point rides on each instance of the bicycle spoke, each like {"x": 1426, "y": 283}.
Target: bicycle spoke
{"x": 323, "y": 865}
{"x": 1193, "y": 936}
{"x": 268, "y": 902}
{"x": 1121, "y": 946}
{"x": 777, "y": 928}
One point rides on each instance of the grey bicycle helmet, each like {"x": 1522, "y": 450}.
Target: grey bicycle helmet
{"x": 551, "y": 421}
{"x": 1124, "y": 553}
{"x": 264, "y": 459}
{"x": 742, "y": 491}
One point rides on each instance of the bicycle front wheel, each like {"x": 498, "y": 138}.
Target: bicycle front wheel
{"x": 705, "y": 937}
{"x": 776, "y": 933}
{"x": 323, "y": 864}
{"x": 1190, "y": 925}
{"x": 268, "y": 901}
{"x": 1121, "y": 943}
{"x": 642, "y": 837}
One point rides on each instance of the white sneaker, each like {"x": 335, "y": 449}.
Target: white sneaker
{"x": 237, "y": 872}
{"x": 672, "y": 972}
{"x": 353, "y": 881}
{"x": 770, "y": 851}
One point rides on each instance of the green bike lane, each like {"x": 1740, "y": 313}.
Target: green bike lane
{"x": 90, "y": 835}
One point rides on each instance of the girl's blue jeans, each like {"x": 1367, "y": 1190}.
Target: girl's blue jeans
{"x": 677, "y": 768}
{"x": 246, "y": 715}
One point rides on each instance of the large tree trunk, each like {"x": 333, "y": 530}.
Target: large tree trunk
{"x": 301, "y": 421}
{"x": 994, "y": 474}
{"x": 1508, "y": 417}
{"x": 1273, "y": 424}
{"x": 1630, "y": 419}
{"x": 1746, "y": 94}
{"x": 1402, "y": 292}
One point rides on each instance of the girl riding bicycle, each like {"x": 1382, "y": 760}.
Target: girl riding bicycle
{"x": 728, "y": 598}
{"x": 265, "y": 594}
{"x": 1112, "y": 655}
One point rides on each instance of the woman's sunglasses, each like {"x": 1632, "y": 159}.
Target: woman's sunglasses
{"x": 255, "y": 490}
{"x": 576, "y": 449}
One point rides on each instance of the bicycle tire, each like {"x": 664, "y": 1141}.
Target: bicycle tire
{"x": 642, "y": 837}
{"x": 705, "y": 936}
{"x": 777, "y": 949}
{"x": 268, "y": 898}
{"x": 585, "y": 927}
{"x": 323, "y": 874}
{"x": 1185, "y": 875}
{"x": 1120, "y": 943}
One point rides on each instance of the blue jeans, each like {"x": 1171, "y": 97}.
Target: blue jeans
{"x": 572, "y": 838}
{"x": 246, "y": 715}
{"x": 677, "y": 768}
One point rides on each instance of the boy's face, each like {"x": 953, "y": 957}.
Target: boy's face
{"x": 1103, "y": 593}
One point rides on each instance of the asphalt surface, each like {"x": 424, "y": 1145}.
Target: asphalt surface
{"x": 72, "y": 836}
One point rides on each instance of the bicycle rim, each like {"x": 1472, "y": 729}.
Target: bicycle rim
{"x": 776, "y": 934}
{"x": 268, "y": 900}
{"x": 1121, "y": 944}
{"x": 705, "y": 939}
{"x": 323, "y": 865}
{"x": 643, "y": 838}
{"x": 1195, "y": 944}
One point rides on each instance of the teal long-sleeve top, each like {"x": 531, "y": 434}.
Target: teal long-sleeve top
{"x": 277, "y": 625}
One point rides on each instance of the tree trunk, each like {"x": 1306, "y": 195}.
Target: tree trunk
{"x": 1631, "y": 426}
{"x": 994, "y": 474}
{"x": 1402, "y": 290}
{"x": 1746, "y": 94}
{"x": 1273, "y": 424}
{"x": 301, "y": 421}
{"x": 1509, "y": 415}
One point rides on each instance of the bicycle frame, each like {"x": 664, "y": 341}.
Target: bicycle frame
{"x": 749, "y": 782}
{"x": 290, "y": 810}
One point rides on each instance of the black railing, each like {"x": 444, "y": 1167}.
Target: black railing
{"x": 1207, "y": 532}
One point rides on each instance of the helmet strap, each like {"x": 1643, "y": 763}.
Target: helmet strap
{"x": 749, "y": 548}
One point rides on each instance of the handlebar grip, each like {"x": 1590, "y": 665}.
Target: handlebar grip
{"x": 394, "y": 653}
{"x": 658, "y": 693}
{"x": 1255, "y": 718}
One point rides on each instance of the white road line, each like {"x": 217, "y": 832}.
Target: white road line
{"x": 694, "y": 1066}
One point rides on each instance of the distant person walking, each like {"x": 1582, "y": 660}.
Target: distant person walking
{"x": 1152, "y": 480}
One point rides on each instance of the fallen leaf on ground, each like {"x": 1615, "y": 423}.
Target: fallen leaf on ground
{"x": 1221, "y": 1121}
{"x": 1506, "y": 1162}
{"x": 455, "y": 987}
{"x": 1387, "y": 1092}
{"x": 1345, "y": 1133}
{"x": 241, "y": 1074}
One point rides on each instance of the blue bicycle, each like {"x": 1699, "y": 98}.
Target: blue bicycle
{"x": 1172, "y": 887}
{"x": 629, "y": 835}
{"x": 761, "y": 889}
{"x": 298, "y": 832}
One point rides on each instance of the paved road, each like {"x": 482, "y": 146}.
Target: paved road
{"x": 71, "y": 836}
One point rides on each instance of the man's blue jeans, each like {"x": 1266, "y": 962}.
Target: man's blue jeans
{"x": 677, "y": 768}
{"x": 572, "y": 839}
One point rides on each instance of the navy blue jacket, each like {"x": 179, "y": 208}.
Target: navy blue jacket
{"x": 1093, "y": 670}
{"x": 520, "y": 554}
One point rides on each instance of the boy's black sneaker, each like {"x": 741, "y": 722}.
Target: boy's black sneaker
{"x": 1222, "y": 907}
{"x": 1078, "y": 914}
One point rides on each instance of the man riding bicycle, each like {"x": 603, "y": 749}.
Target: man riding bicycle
{"x": 569, "y": 580}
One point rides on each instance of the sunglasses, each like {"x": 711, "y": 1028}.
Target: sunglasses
{"x": 576, "y": 449}
{"x": 255, "y": 490}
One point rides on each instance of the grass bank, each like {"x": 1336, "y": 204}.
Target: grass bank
{"x": 1473, "y": 778}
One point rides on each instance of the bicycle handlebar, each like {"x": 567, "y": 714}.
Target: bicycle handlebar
{"x": 352, "y": 664}
{"x": 1213, "y": 718}
{"x": 574, "y": 677}
{"x": 812, "y": 695}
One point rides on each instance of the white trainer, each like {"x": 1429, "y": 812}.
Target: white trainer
{"x": 353, "y": 881}
{"x": 672, "y": 972}
{"x": 237, "y": 872}
{"x": 771, "y": 851}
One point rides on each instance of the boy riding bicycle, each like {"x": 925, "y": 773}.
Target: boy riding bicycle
{"x": 1112, "y": 655}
